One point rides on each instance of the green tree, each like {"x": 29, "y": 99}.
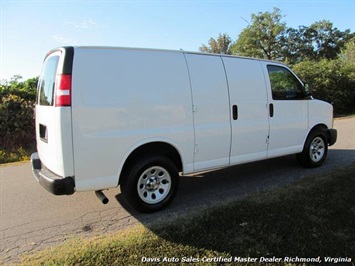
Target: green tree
{"x": 331, "y": 82}
{"x": 15, "y": 79}
{"x": 220, "y": 46}
{"x": 327, "y": 40}
{"x": 347, "y": 59}
{"x": 297, "y": 45}
{"x": 16, "y": 114}
{"x": 263, "y": 37}
{"x": 320, "y": 40}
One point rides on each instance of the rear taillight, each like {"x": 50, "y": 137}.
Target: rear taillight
{"x": 63, "y": 90}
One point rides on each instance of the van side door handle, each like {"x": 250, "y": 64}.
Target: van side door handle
{"x": 235, "y": 112}
{"x": 271, "y": 110}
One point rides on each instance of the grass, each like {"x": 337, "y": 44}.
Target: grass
{"x": 315, "y": 217}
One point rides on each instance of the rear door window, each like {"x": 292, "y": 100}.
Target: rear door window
{"x": 47, "y": 82}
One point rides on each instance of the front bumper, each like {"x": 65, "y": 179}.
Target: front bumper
{"x": 55, "y": 184}
{"x": 332, "y": 136}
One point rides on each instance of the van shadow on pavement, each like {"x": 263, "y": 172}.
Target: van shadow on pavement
{"x": 213, "y": 188}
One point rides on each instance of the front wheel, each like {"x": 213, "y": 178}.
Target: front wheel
{"x": 315, "y": 150}
{"x": 151, "y": 183}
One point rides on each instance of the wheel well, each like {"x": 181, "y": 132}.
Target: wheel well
{"x": 153, "y": 148}
{"x": 320, "y": 127}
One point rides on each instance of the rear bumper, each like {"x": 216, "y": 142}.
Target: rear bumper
{"x": 55, "y": 184}
{"x": 332, "y": 136}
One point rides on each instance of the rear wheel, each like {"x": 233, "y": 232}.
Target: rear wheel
{"x": 315, "y": 149}
{"x": 151, "y": 183}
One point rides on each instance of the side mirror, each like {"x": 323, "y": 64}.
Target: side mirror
{"x": 308, "y": 89}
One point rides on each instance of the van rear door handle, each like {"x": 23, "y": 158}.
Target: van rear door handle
{"x": 235, "y": 112}
{"x": 43, "y": 133}
{"x": 271, "y": 110}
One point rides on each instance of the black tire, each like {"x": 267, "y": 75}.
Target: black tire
{"x": 151, "y": 183}
{"x": 315, "y": 149}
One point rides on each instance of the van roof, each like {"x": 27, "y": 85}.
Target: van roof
{"x": 169, "y": 50}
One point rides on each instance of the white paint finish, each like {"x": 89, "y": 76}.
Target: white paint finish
{"x": 211, "y": 111}
{"x": 319, "y": 113}
{"x": 289, "y": 125}
{"x": 127, "y": 97}
{"x": 57, "y": 152}
{"x": 247, "y": 91}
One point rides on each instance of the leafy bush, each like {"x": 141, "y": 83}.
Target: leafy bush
{"x": 15, "y": 156}
{"x": 331, "y": 82}
{"x": 17, "y": 127}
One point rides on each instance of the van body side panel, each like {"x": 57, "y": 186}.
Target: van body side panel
{"x": 122, "y": 97}
{"x": 250, "y": 128}
{"x": 320, "y": 112}
{"x": 289, "y": 125}
{"x": 211, "y": 111}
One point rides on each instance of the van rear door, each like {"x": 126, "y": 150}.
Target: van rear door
{"x": 53, "y": 113}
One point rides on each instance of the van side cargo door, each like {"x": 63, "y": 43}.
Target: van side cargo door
{"x": 210, "y": 111}
{"x": 248, "y": 98}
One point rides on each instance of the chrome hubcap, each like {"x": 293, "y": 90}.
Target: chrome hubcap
{"x": 154, "y": 185}
{"x": 317, "y": 149}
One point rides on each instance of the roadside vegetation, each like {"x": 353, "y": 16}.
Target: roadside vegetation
{"x": 313, "y": 218}
{"x": 17, "y": 128}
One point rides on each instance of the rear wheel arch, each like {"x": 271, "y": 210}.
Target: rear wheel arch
{"x": 150, "y": 176}
{"x": 156, "y": 148}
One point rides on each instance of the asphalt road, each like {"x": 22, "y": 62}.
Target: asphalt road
{"x": 32, "y": 219}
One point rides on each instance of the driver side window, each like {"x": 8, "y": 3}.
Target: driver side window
{"x": 284, "y": 85}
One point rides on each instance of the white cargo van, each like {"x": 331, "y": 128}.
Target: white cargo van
{"x": 137, "y": 117}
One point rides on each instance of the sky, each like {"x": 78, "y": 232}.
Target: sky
{"x": 29, "y": 28}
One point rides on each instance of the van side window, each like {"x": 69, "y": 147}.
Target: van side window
{"x": 284, "y": 85}
{"x": 47, "y": 82}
